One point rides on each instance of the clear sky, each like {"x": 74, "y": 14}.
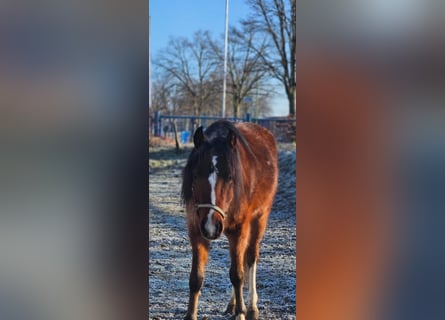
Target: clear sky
{"x": 181, "y": 18}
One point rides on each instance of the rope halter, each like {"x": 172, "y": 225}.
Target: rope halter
{"x": 212, "y": 206}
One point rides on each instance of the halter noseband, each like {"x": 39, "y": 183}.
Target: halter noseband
{"x": 212, "y": 206}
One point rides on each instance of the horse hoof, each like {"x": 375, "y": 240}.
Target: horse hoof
{"x": 253, "y": 315}
{"x": 189, "y": 317}
{"x": 230, "y": 309}
{"x": 238, "y": 317}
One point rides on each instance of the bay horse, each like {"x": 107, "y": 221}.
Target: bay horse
{"x": 229, "y": 183}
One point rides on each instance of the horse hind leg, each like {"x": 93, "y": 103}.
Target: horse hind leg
{"x": 252, "y": 254}
{"x": 252, "y": 296}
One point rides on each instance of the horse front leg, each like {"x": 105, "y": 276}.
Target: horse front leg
{"x": 231, "y": 305}
{"x": 238, "y": 244}
{"x": 258, "y": 227}
{"x": 200, "y": 248}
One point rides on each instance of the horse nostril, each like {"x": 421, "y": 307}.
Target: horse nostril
{"x": 219, "y": 228}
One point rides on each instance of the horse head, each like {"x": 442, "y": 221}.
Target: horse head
{"x": 212, "y": 177}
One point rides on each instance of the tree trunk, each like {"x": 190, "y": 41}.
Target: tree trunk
{"x": 292, "y": 101}
{"x": 177, "y": 148}
{"x": 235, "y": 110}
{"x": 236, "y": 107}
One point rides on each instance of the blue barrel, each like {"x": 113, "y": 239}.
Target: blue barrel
{"x": 185, "y": 135}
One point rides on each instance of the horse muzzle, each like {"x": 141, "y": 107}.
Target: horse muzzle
{"x": 212, "y": 226}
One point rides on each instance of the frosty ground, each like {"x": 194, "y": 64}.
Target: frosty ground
{"x": 170, "y": 251}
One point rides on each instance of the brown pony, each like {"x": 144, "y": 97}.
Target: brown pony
{"x": 228, "y": 187}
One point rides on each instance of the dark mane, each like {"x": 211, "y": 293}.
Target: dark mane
{"x": 187, "y": 176}
{"x": 216, "y": 137}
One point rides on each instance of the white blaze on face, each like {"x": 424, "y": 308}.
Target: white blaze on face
{"x": 210, "y": 227}
{"x": 212, "y": 180}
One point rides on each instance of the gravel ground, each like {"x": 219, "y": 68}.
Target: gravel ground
{"x": 170, "y": 251}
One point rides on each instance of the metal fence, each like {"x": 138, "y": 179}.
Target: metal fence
{"x": 283, "y": 128}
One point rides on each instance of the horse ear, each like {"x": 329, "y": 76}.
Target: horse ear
{"x": 231, "y": 138}
{"x": 198, "y": 137}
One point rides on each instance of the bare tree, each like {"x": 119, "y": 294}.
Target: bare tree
{"x": 244, "y": 67}
{"x": 160, "y": 95}
{"x": 193, "y": 64}
{"x": 171, "y": 97}
{"x": 259, "y": 106}
{"x": 276, "y": 19}
{"x": 247, "y": 77}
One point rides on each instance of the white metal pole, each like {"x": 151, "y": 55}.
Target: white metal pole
{"x": 149, "y": 62}
{"x": 226, "y": 40}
